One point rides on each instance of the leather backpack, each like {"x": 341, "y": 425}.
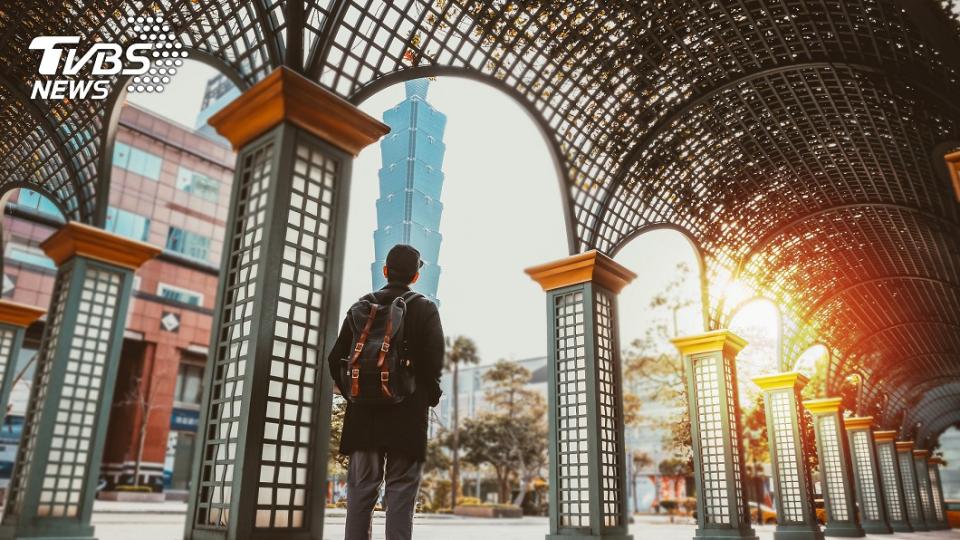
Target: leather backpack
{"x": 378, "y": 369}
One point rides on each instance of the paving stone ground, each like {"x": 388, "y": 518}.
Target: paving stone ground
{"x": 116, "y": 521}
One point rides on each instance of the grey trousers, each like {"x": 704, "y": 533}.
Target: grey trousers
{"x": 364, "y": 477}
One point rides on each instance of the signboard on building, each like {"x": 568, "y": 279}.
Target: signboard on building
{"x": 184, "y": 420}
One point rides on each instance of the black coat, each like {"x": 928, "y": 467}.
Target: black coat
{"x": 400, "y": 428}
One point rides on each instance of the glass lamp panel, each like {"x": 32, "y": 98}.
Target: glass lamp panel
{"x": 861, "y": 452}
{"x": 832, "y": 467}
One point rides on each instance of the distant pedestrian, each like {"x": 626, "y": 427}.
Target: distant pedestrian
{"x": 387, "y": 364}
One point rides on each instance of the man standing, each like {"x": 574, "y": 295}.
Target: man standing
{"x": 388, "y": 442}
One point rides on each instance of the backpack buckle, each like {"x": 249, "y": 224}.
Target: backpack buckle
{"x": 355, "y": 373}
{"x": 385, "y": 347}
{"x": 358, "y": 347}
{"x": 384, "y": 376}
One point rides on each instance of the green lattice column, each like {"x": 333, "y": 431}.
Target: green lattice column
{"x": 58, "y": 461}
{"x": 796, "y": 515}
{"x": 262, "y": 451}
{"x": 891, "y": 480}
{"x": 911, "y": 487}
{"x": 923, "y": 486}
{"x": 709, "y": 362}
{"x": 14, "y": 320}
{"x": 835, "y": 468}
{"x": 866, "y": 474}
{"x": 936, "y": 491}
{"x": 588, "y": 487}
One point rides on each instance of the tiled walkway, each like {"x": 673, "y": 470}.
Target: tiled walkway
{"x": 120, "y": 521}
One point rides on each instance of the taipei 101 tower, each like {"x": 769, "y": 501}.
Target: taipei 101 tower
{"x": 411, "y": 179}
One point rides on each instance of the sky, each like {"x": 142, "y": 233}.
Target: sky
{"x": 502, "y": 214}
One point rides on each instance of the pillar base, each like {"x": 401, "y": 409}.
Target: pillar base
{"x": 54, "y": 538}
{"x": 725, "y": 534}
{"x": 586, "y": 536}
{"x": 877, "y": 528}
{"x": 797, "y": 532}
{"x": 901, "y": 527}
{"x": 10, "y": 533}
{"x": 922, "y": 527}
{"x": 843, "y": 530}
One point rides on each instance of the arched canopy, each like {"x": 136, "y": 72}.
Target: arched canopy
{"x": 799, "y": 143}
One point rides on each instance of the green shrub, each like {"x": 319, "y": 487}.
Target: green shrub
{"x": 669, "y": 505}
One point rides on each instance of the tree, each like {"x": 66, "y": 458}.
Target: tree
{"x": 141, "y": 395}
{"x": 756, "y": 448}
{"x": 460, "y": 350}
{"x": 817, "y": 386}
{"x": 653, "y": 369}
{"x": 640, "y": 460}
{"x": 511, "y": 437}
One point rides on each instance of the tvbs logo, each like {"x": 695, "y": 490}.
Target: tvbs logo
{"x": 150, "y": 60}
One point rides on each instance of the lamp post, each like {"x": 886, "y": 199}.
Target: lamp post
{"x": 890, "y": 479}
{"x": 873, "y": 512}
{"x": 58, "y": 460}
{"x": 911, "y": 487}
{"x": 923, "y": 485}
{"x": 265, "y": 421}
{"x": 796, "y": 516}
{"x": 14, "y": 320}
{"x": 710, "y": 365}
{"x": 936, "y": 488}
{"x": 835, "y": 466}
{"x": 588, "y": 488}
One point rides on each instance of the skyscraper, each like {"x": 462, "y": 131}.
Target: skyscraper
{"x": 411, "y": 179}
{"x": 218, "y": 92}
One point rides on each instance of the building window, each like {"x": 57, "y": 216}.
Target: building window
{"x": 189, "y": 383}
{"x": 198, "y": 184}
{"x": 137, "y": 161}
{"x": 189, "y": 244}
{"x": 31, "y": 256}
{"x": 32, "y": 199}
{"x": 184, "y": 296}
{"x": 128, "y": 224}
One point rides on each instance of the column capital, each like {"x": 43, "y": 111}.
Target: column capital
{"x": 904, "y": 446}
{"x": 590, "y": 266}
{"x": 823, "y": 405}
{"x": 790, "y": 379}
{"x": 953, "y": 165}
{"x": 920, "y": 453}
{"x": 286, "y": 96}
{"x": 858, "y": 422}
{"x": 936, "y": 460}
{"x": 76, "y": 238}
{"x": 885, "y": 436}
{"x": 714, "y": 341}
{"x": 17, "y": 314}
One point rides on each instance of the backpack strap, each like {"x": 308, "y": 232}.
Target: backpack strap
{"x": 410, "y": 295}
{"x": 354, "y": 370}
{"x": 384, "y": 369}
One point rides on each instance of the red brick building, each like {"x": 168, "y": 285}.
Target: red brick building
{"x": 170, "y": 186}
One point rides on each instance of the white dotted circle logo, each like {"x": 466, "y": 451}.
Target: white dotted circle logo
{"x": 167, "y": 54}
